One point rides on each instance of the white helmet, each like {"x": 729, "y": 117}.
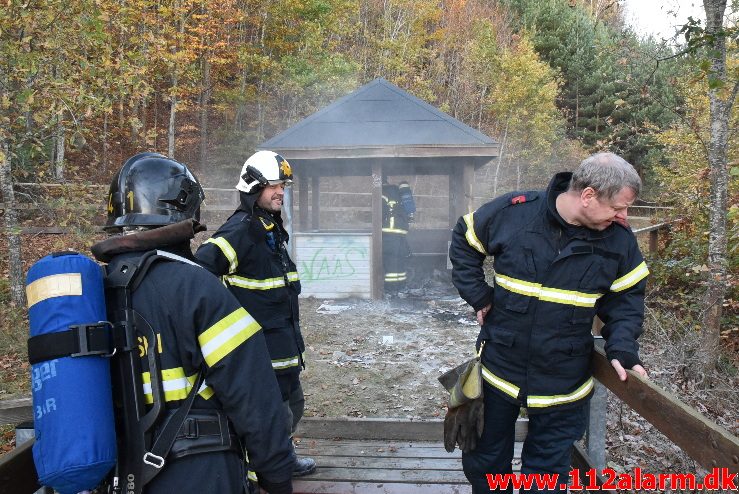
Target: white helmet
{"x": 264, "y": 168}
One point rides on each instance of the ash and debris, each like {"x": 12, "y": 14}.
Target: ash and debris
{"x": 382, "y": 359}
{"x": 368, "y": 358}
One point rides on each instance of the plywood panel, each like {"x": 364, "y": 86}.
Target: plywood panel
{"x": 335, "y": 265}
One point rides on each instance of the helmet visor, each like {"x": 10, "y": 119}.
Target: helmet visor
{"x": 288, "y": 182}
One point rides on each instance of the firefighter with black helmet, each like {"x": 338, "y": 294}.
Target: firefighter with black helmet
{"x": 209, "y": 351}
{"x": 249, "y": 252}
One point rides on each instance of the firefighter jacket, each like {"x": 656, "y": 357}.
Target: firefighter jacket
{"x": 551, "y": 279}
{"x": 394, "y": 216}
{"x": 249, "y": 253}
{"x": 199, "y": 325}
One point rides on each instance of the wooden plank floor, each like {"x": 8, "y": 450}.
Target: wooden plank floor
{"x": 411, "y": 461}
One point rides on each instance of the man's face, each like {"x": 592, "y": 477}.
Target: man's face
{"x": 597, "y": 212}
{"x": 270, "y": 198}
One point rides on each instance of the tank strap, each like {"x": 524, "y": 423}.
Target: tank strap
{"x": 80, "y": 340}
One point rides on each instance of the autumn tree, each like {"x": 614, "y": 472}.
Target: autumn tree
{"x": 522, "y": 99}
{"x": 723, "y": 87}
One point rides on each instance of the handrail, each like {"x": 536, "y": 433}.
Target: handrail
{"x": 18, "y": 472}
{"x": 708, "y": 443}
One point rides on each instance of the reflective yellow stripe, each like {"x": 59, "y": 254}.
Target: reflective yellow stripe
{"x": 220, "y": 339}
{"x": 227, "y": 250}
{"x": 251, "y": 475}
{"x": 389, "y": 278}
{"x": 56, "y": 285}
{"x": 205, "y": 391}
{"x": 547, "y": 401}
{"x": 508, "y": 388}
{"x": 394, "y": 230}
{"x": 471, "y": 236}
{"x": 285, "y": 363}
{"x": 266, "y": 284}
{"x": 547, "y": 294}
{"x": 176, "y": 385}
{"x": 630, "y": 279}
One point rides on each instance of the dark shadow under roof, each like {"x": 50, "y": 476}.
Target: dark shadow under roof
{"x": 381, "y": 120}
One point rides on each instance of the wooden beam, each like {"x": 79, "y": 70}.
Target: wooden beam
{"x": 454, "y": 192}
{"x": 315, "y": 209}
{"x": 596, "y": 433}
{"x": 303, "y": 486}
{"x": 16, "y": 410}
{"x": 18, "y": 472}
{"x": 468, "y": 176}
{"x": 709, "y": 444}
{"x": 583, "y": 463}
{"x": 653, "y": 241}
{"x": 488, "y": 151}
{"x": 382, "y": 429}
{"x": 302, "y": 202}
{"x": 378, "y": 270}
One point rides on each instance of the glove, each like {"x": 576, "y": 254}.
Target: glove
{"x": 626, "y": 359}
{"x": 284, "y": 487}
{"x": 463, "y": 425}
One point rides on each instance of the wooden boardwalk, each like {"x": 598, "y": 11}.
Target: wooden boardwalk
{"x": 381, "y": 456}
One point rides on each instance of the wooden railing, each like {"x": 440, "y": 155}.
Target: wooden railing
{"x": 709, "y": 444}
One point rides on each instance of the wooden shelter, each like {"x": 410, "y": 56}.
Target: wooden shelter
{"x": 378, "y": 128}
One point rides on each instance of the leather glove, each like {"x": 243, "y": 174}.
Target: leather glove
{"x": 463, "y": 425}
{"x": 284, "y": 487}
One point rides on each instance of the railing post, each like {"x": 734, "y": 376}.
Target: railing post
{"x": 596, "y": 435}
{"x": 653, "y": 237}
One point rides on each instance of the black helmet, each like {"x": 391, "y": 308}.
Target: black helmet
{"x": 151, "y": 190}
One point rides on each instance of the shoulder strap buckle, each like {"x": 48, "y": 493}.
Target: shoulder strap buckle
{"x": 153, "y": 460}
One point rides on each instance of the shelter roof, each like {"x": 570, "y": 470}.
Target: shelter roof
{"x": 381, "y": 120}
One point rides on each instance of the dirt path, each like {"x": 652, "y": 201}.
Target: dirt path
{"x": 382, "y": 358}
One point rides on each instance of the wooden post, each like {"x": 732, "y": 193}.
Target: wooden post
{"x": 468, "y": 175}
{"x": 378, "y": 270}
{"x": 596, "y": 434}
{"x": 653, "y": 237}
{"x": 460, "y": 193}
{"x": 303, "y": 201}
{"x": 453, "y": 198}
{"x": 315, "y": 209}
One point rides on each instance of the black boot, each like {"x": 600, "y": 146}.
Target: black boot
{"x": 303, "y": 466}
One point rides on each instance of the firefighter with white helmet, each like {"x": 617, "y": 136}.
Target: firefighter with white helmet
{"x": 249, "y": 252}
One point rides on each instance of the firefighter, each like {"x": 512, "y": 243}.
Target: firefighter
{"x": 198, "y": 327}
{"x": 561, "y": 257}
{"x": 249, "y": 252}
{"x": 398, "y": 209}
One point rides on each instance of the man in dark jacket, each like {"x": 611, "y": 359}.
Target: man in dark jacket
{"x": 198, "y": 327}
{"x": 249, "y": 252}
{"x": 561, "y": 257}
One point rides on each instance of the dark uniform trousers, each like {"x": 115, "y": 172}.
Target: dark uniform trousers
{"x": 293, "y": 400}
{"x": 546, "y": 450}
{"x": 218, "y": 468}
